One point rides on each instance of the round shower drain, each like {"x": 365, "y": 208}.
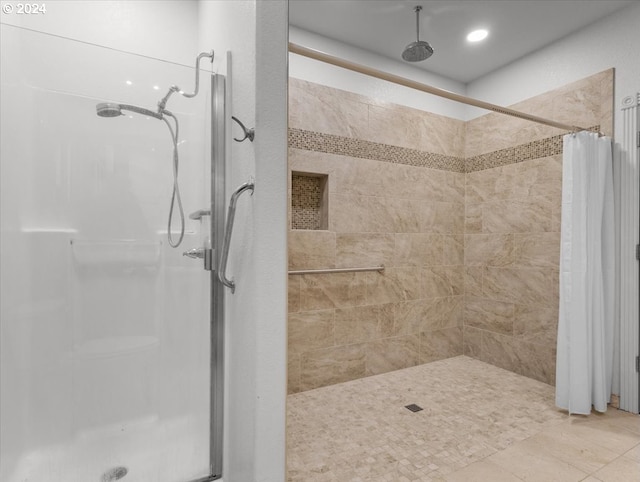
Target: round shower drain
{"x": 115, "y": 473}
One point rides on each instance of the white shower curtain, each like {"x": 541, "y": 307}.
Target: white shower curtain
{"x": 585, "y": 326}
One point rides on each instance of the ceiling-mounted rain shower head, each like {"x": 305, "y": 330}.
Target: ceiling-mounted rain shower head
{"x": 418, "y": 50}
{"x": 115, "y": 110}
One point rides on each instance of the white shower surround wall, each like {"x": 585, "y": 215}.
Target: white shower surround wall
{"x": 93, "y": 298}
{"x": 142, "y": 27}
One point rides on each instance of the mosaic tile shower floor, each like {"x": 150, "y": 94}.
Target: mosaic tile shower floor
{"x": 478, "y": 423}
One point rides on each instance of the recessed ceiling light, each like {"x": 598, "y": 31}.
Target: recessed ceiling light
{"x": 477, "y": 35}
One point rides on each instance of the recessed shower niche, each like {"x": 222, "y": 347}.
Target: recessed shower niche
{"x": 309, "y": 201}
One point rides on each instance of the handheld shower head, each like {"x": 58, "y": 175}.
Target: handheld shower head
{"x": 108, "y": 110}
{"x": 114, "y": 110}
{"x": 105, "y": 109}
{"x": 418, "y": 50}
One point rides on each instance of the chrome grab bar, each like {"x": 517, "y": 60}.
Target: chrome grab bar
{"x": 229, "y": 283}
{"x": 336, "y": 270}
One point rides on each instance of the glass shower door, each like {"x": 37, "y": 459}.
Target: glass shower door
{"x": 105, "y": 336}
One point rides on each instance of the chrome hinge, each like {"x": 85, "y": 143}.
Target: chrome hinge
{"x": 638, "y": 363}
{"x": 638, "y": 139}
{"x": 208, "y": 259}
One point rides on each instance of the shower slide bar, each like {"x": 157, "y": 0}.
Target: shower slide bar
{"x": 337, "y": 270}
{"x": 396, "y": 79}
{"x": 231, "y": 214}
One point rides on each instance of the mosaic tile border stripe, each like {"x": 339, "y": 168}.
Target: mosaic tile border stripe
{"x": 346, "y": 146}
{"x": 549, "y": 146}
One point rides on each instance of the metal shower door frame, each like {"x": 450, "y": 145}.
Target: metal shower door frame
{"x": 216, "y": 236}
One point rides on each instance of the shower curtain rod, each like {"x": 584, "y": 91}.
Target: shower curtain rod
{"x": 396, "y": 79}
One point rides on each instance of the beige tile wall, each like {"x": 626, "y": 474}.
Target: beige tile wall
{"x": 468, "y": 256}
{"x": 512, "y": 248}
{"x": 393, "y": 212}
{"x": 512, "y": 226}
{"x": 585, "y": 103}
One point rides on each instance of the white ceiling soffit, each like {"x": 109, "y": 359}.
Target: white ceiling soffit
{"x": 385, "y": 27}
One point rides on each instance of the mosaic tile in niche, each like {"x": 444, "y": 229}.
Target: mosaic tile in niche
{"x": 307, "y": 207}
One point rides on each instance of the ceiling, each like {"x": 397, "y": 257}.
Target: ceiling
{"x": 385, "y": 27}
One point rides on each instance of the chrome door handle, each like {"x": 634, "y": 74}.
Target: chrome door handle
{"x": 200, "y": 253}
{"x": 194, "y": 253}
{"x": 229, "y": 283}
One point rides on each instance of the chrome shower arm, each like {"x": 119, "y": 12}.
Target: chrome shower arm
{"x": 197, "y": 87}
{"x": 174, "y": 88}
